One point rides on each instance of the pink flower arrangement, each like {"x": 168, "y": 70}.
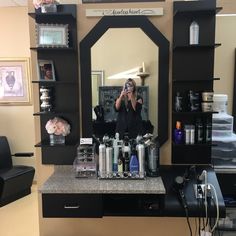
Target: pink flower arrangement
{"x": 58, "y": 126}
{"x": 39, "y": 3}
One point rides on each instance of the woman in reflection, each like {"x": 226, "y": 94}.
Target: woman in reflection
{"x": 129, "y": 106}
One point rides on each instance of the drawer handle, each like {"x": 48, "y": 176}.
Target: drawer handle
{"x": 71, "y": 207}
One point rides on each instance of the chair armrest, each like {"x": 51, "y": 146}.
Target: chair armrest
{"x": 23, "y": 154}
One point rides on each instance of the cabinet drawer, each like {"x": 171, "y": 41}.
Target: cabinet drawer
{"x": 227, "y": 183}
{"x": 72, "y": 205}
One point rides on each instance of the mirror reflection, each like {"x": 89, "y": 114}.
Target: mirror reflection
{"x": 122, "y": 54}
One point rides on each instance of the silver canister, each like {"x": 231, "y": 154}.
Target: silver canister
{"x": 187, "y": 134}
{"x": 192, "y": 134}
{"x": 109, "y": 161}
{"x": 102, "y": 160}
{"x": 141, "y": 159}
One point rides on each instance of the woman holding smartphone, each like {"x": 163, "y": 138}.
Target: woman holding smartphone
{"x": 129, "y": 106}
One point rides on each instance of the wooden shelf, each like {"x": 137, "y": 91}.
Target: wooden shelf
{"x": 53, "y": 48}
{"x": 198, "y": 11}
{"x": 47, "y": 144}
{"x": 189, "y": 113}
{"x": 49, "y": 113}
{"x": 51, "y": 16}
{"x": 193, "y": 145}
{"x": 198, "y": 46}
{"x": 196, "y": 80}
{"x": 53, "y": 82}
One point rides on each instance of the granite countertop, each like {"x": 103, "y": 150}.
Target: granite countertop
{"x": 63, "y": 181}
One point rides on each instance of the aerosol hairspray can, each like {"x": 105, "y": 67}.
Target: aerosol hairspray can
{"x": 102, "y": 160}
{"x": 141, "y": 159}
{"x": 109, "y": 161}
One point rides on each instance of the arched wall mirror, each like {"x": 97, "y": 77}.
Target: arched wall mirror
{"x": 98, "y": 61}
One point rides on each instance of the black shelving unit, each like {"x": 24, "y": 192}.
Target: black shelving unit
{"x": 64, "y": 91}
{"x": 193, "y": 69}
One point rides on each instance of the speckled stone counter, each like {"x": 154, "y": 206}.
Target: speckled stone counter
{"x": 63, "y": 181}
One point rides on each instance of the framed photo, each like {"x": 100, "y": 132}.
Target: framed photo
{"x": 15, "y": 81}
{"x": 46, "y": 70}
{"x": 52, "y": 35}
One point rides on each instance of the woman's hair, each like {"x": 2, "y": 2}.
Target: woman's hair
{"x": 133, "y": 83}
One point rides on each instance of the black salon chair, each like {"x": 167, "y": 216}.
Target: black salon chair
{"x": 15, "y": 181}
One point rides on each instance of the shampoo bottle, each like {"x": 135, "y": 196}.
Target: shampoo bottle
{"x": 178, "y": 133}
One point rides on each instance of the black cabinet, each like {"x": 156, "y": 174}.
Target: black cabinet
{"x": 193, "y": 70}
{"x": 64, "y": 90}
{"x": 72, "y": 205}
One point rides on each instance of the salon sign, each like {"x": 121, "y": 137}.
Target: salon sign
{"x": 125, "y": 12}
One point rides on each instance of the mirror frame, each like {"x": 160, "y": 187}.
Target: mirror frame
{"x": 157, "y": 37}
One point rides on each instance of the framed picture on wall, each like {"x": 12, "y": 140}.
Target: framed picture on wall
{"x": 15, "y": 81}
{"x": 46, "y": 70}
{"x": 52, "y": 35}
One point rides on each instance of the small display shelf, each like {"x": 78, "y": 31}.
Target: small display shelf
{"x": 53, "y": 48}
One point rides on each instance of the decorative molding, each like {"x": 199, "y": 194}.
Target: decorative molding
{"x": 125, "y": 12}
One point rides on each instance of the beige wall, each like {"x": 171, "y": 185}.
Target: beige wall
{"x": 225, "y": 56}
{"x": 112, "y": 225}
{"x": 16, "y": 122}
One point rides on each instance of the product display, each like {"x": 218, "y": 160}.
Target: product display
{"x": 128, "y": 158}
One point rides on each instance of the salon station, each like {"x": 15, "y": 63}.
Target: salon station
{"x": 126, "y": 123}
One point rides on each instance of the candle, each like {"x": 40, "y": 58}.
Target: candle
{"x": 143, "y": 67}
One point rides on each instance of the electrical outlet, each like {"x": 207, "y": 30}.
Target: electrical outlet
{"x": 199, "y": 190}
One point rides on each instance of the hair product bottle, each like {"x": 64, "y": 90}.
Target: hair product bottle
{"x": 178, "y": 133}
{"x": 194, "y": 33}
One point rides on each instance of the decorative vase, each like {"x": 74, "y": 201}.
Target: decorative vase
{"x": 45, "y": 99}
{"x": 56, "y": 139}
{"x": 48, "y": 8}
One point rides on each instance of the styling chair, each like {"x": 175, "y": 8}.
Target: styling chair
{"x": 15, "y": 181}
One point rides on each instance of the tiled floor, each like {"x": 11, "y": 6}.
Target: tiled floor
{"x": 20, "y": 218}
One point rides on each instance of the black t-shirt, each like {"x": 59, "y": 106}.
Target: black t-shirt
{"x": 129, "y": 120}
